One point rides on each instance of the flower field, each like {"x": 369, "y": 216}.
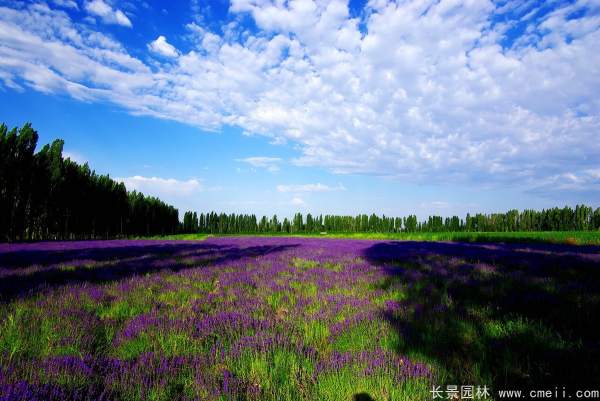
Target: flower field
{"x": 293, "y": 318}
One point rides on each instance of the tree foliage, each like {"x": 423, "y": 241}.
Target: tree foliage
{"x": 45, "y": 196}
{"x": 582, "y": 218}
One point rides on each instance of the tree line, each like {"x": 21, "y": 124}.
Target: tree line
{"x": 582, "y": 218}
{"x": 45, "y": 196}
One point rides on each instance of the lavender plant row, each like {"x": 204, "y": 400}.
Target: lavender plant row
{"x": 292, "y": 318}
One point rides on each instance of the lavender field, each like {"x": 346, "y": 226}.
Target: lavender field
{"x": 292, "y": 318}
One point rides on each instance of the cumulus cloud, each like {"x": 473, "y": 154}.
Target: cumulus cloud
{"x": 204, "y": 39}
{"x": 100, "y": 8}
{"x": 162, "y": 47}
{"x": 271, "y": 164}
{"x": 585, "y": 182}
{"x": 427, "y": 91}
{"x": 318, "y": 187}
{"x": 167, "y": 188}
{"x": 66, "y": 4}
{"x": 297, "y": 202}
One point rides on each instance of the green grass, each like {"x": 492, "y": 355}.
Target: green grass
{"x": 556, "y": 237}
{"x": 368, "y": 336}
{"x": 345, "y": 385}
{"x": 177, "y": 237}
{"x": 315, "y": 333}
{"x": 280, "y": 375}
{"x": 121, "y": 310}
{"x": 167, "y": 344}
{"x": 304, "y": 264}
{"x": 559, "y": 237}
{"x": 25, "y": 334}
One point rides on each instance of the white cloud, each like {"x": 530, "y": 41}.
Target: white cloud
{"x": 203, "y": 39}
{"x": 568, "y": 183}
{"x": 271, "y": 164}
{"x": 435, "y": 205}
{"x": 164, "y": 188}
{"x": 162, "y": 47}
{"x": 297, "y": 202}
{"x": 318, "y": 187}
{"x": 66, "y": 4}
{"x": 429, "y": 91}
{"x": 75, "y": 156}
{"x": 122, "y": 19}
{"x": 108, "y": 15}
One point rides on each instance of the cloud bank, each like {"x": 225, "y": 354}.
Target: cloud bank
{"x": 318, "y": 187}
{"x": 271, "y": 164}
{"x": 428, "y": 91}
{"x": 168, "y": 188}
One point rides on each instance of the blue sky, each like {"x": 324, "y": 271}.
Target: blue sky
{"x": 264, "y": 107}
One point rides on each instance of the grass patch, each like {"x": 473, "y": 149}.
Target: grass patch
{"x": 278, "y": 375}
{"x": 315, "y": 333}
{"x": 177, "y": 299}
{"x": 348, "y": 385}
{"x": 367, "y": 337}
{"x": 281, "y": 299}
{"x": 304, "y": 264}
{"x": 26, "y": 333}
{"x": 307, "y": 290}
{"x": 556, "y": 237}
{"x": 133, "y": 348}
{"x": 123, "y": 309}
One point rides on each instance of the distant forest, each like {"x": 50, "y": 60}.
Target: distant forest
{"x": 45, "y": 196}
{"x": 582, "y": 218}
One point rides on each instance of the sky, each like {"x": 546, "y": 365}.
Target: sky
{"x": 260, "y": 106}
